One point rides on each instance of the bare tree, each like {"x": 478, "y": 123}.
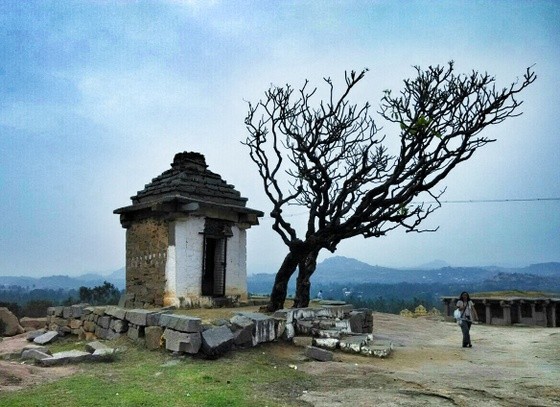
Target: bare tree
{"x": 332, "y": 160}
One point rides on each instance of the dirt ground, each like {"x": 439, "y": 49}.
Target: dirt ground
{"x": 507, "y": 366}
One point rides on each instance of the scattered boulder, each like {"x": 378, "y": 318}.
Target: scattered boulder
{"x": 34, "y": 354}
{"x": 217, "y": 341}
{"x": 31, "y": 335}
{"x": 10, "y": 323}
{"x": 91, "y": 347}
{"x": 176, "y": 341}
{"x": 47, "y": 337}
{"x": 322, "y": 355}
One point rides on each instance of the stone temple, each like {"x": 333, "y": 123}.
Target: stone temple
{"x": 186, "y": 238}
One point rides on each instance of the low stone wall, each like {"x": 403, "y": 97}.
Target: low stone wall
{"x": 331, "y": 327}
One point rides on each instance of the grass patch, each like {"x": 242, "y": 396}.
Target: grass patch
{"x": 254, "y": 377}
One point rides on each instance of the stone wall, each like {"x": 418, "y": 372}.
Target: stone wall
{"x": 330, "y": 327}
{"x": 146, "y": 256}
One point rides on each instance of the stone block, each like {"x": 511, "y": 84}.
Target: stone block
{"x": 62, "y": 358}
{"x": 138, "y": 316}
{"x": 103, "y": 355}
{"x": 289, "y": 332}
{"x": 67, "y": 312}
{"x": 100, "y": 311}
{"x": 353, "y": 344}
{"x": 319, "y": 354}
{"x": 47, "y": 337}
{"x": 104, "y": 321}
{"x": 304, "y": 313}
{"x": 380, "y": 349}
{"x": 77, "y": 310}
{"x": 326, "y": 343}
{"x": 116, "y": 312}
{"x": 153, "y": 337}
{"x": 60, "y": 321}
{"x": 34, "y": 354}
{"x": 89, "y": 326}
{"x": 304, "y": 327}
{"x": 329, "y": 333}
{"x": 153, "y": 319}
{"x": 95, "y": 345}
{"x": 302, "y": 341}
{"x": 133, "y": 332}
{"x": 31, "y": 335}
{"x": 118, "y": 325}
{"x": 343, "y": 325}
{"x": 217, "y": 341}
{"x": 265, "y": 327}
{"x": 42, "y": 348}
{"x": 176, "y": 341}
{"x": 102, "y": 333}
{"x": 55, "y": 311}
{"x": 180, "y": 323}
{"x": 87, "y": 311}
{"x": 75, "y": 323}
{"x": 33, "y": 324}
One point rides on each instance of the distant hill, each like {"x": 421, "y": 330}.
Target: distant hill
{"x": 344, "y": 270}
{"x": 116, "y": 278}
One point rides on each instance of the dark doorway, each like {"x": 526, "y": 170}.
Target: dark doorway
{"x": 214, "y": 268}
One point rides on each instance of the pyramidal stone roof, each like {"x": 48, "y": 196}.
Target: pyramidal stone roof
{"x": 189, "y": 177}
{"x": 189, "y": 180}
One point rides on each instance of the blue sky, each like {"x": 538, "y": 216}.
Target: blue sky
{"x": 97, "y": 96}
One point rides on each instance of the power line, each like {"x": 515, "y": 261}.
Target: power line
{"x": 492, "y": 200}
{"x": 466, "y": 201}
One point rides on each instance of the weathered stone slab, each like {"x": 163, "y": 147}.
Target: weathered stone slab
{"x": 265, "y": 327}
{"x": 353, "y": 344}
{"x": 180, "y": 323}
{"x": 116, "y": 312}
{"x": 176, "y": 341}
{"x": 153, "y": 319}
{"x": 329, "y": 333}
{"x": 217, "y": 341}
{"x": 41, "y": 348}
{"x": 103, "y": 355}
{"x": 62, "y": 358}
{"x": 326, "y": 343}
{"x": 47, "y": 337}
{"x": 153, "y": 336}
{"x": 335, "y": 311}
{"x": 31, "y": 335}
{"x": 34, "y": 354}
{"x": 303, "y": 313}
{"x": 138, "y": 316}
{"x": 95, "y": 345}
{"x": 319, "y": 354}
{"x": 380, "y": 349}
{"x": 304, "y": 327}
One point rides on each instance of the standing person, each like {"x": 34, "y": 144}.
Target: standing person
{"x": 468, "y": 315}
{"x": 320, "y": 295}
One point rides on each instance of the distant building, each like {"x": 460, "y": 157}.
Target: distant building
{"x": 186, "y": 238}
{"x": 510, "y": 310}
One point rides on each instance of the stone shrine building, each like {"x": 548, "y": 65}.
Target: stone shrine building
{"x": 186, "y": 238}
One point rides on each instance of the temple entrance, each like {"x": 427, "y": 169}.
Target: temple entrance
{"x": 214, "y": 267}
